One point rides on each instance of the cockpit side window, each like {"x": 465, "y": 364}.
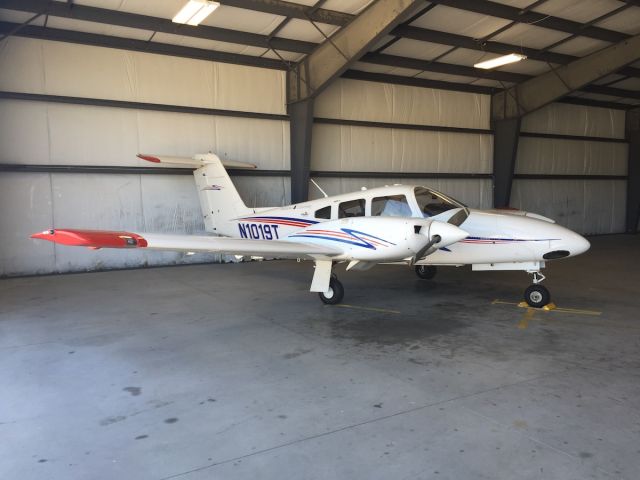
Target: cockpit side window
{"x": 434, "y": 203}
{"x": 323, "y": 212}
{"x": 352, "y": 208}
{"x": 391, "y": 206}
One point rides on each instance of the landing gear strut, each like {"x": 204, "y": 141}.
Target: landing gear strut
{"x": 426, "y": 272}
{"x": 536, "y": 295}
{"x": 335, "y": 293}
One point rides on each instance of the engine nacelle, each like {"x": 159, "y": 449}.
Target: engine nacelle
{"x": 381, "y": 239}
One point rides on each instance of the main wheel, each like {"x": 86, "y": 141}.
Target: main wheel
{"x": 426, "y": 272}
{"x": 537, "y": 296}
{"x": 334, "y": 294}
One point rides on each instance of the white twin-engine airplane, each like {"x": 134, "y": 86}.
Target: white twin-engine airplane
{"x": 399, "y": 224}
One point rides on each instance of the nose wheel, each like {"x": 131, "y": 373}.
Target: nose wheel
{"x": 536, "y": 295}
{"x": 335, "y": 294}
{"x": 426, "y": 272}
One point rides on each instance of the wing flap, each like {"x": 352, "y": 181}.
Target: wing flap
{"x": 187, "y": 243}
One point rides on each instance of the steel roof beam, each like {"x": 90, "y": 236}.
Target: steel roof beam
{"x": 417, "y": 82}
{"x": 108, "y": 41}
{"x": 379, "y": 59}
{"x": 539, "y": 91}
{"x": 448, "y": 68}
{"x": 515, "y": 14}
{"x": 336, "y": 54}
{"x": 156, "y": 24}
{"x": 293, "y": 10}
{"x": 455, "y": 40}
{"x": 595, "y": 103}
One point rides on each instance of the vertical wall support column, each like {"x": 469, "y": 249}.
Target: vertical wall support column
{"x": 632, "y": 133}
{"x": 300, "y": 130}
{"x": 505, "y": 147}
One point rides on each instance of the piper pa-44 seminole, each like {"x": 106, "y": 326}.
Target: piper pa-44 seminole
{"x": 400, "y": 224}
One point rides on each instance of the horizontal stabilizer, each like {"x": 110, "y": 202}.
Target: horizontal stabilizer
{"x": 196, "y": 161}
{"x": 186, "y": 243}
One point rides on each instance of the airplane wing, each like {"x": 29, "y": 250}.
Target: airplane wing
{"x": 96, "y": 239}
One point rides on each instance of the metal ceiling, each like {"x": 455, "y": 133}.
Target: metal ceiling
{"x": 435, "y": 48}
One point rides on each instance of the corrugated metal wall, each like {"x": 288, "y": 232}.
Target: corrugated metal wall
{"x": 586, "y": 206}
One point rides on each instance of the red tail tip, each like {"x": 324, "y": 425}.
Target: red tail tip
{"x": 148, "y": 158}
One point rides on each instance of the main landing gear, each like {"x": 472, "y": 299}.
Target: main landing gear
{"x": 335, "y": 294}
{"x": 426, "y": 272}
{"x": 536, "y": 295}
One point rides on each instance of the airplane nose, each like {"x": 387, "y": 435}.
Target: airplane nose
{"x": 579, "y": 245}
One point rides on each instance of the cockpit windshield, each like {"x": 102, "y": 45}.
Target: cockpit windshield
{"x": 433, "y": 203}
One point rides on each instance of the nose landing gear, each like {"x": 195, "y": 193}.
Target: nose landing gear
{"x": 536, "y": 295}
{"x": 426, "y": 272}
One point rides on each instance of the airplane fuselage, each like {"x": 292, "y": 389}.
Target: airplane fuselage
{"x": 497, "y": 239}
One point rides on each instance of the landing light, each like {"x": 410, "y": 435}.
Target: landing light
{"x": 500, "y": 61}
{"x": 195, "y": 11}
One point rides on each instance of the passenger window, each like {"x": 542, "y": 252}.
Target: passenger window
{"x": 391, "y": 206}
{"x": 352, "y": 208}
{"x": 324, "y": 212}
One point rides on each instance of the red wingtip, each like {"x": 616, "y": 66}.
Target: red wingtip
{"x": 42, "y": 235}
{"x": 92, "y": 238}
{"x": 148, "y": 158}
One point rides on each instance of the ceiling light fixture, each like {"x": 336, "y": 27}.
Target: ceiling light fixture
{"x": 500, "y": 61}
{"x": 195, "y": 11}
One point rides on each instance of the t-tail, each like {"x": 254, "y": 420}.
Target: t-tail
{"x": 219, "y": 198}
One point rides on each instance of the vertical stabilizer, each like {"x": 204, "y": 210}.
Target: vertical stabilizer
{"x": 219, "y": 199}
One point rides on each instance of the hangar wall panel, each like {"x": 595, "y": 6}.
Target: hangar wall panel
{"x": 355, "y": 148}
{"x": 25, "y": 208}
{"x": 152, "y": 203}
{"x": 56, "y": 68}
{"x": 570, "y": 157}
{"x": 587, "y": 206}
{"x": 62, "y": 134}
{"x": 381, "y": 102}
{"x": 380, "y": 149}
{"x": 567, "y": 119}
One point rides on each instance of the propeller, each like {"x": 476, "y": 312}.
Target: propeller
{"x": 440, "y": 234}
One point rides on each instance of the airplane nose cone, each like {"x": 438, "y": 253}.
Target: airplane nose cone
{"x": 448, "y": 233}
{"x": 579, "y": 245}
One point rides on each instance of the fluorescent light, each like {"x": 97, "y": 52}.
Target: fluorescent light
{"x": 186, "y": 12}
{"x": 499, "y": 61}
{"x": 195, "y": 11}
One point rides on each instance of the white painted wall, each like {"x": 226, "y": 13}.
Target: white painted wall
{"x": 587, "y": 206}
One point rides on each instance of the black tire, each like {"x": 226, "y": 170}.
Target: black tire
{"x": 426, "y": 272}
{"x": 537, "y": 296}
{"x": 335, "y": 293}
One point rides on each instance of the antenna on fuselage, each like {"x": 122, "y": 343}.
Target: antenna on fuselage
{"x": 318, "y": 187}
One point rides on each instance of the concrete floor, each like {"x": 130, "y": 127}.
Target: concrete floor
{"x": 237, "y": 372}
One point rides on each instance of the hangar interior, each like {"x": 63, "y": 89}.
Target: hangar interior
{"x": 213, "y": 370}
